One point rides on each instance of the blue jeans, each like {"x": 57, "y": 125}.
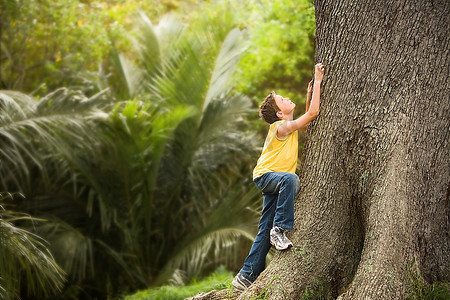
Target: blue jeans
{"x": 279, "y": 190}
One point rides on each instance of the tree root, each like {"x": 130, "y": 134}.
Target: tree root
{"x": 216, "y": 295}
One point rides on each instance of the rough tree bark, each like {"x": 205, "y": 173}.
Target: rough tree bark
{"x": 374, "y": 202}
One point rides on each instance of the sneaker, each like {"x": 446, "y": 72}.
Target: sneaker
{"x": 240, "y": 282}
{"x": 279, "y": 239}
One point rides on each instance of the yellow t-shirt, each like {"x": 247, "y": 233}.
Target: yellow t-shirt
{"x": 277, "y": 155}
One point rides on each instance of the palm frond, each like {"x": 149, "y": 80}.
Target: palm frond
{"x": 150, "y": 53}
{"x": 132, "y": 75}
{"x": 127, "y": 78}
{"x": 24, "y": 255}
{"x": 207, "y": 147}
{"x": 225, "y": 65}
{"x": 70, "y": 247}
{"x": 231, "y": 217}
{"x": 35, "y": 134}
{"x": 157, "y": 183}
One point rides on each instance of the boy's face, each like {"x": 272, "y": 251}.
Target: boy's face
{"x": 285, "y": 105}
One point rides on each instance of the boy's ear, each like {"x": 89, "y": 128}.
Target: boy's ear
{"x": 280, "y": 114}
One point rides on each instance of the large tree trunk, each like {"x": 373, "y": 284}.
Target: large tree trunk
{"x": 373, "y": 208}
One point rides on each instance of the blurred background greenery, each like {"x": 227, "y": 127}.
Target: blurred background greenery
{"x": 128, "y": 134}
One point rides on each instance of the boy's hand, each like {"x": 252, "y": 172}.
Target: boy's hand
{"x": 318, "y": 72}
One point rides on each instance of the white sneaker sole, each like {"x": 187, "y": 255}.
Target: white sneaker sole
{"x": 238, "y": 284}
{"x": 281, "y": 249}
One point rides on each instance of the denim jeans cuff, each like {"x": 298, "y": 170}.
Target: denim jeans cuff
{"x": 249, "y": 278}
{"x": 284, "y": 227}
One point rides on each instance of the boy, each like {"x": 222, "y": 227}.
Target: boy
{"x": 275, "y": 176}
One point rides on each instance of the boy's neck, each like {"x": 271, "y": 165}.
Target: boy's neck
{"x": 288, "y": 117}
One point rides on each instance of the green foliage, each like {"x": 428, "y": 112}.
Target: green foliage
{"x": 45, "y": 43}
{"x": 281, "y": 55}
{"x": 23, "y": 253}
{"x": 141, "y": 165}
{"x": 421, "y": 290}
{"x": 35, "y": 136}
{"x": 44, "y": 144}
{"x": 280, "y": 46}
{"x": 144, "y": 187}
{"x": 196, "y": 166}
{"x": 220, "y": 279}
{"x": 280, "y": 35}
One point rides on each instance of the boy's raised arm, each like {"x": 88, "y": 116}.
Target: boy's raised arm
{"x": 312, "y": 111}
{"x": 308, "y": 95}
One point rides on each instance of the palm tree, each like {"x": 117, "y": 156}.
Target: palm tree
{"x": 62, "y": 120}
{"x": 41, "y": 143}
{"x": 25, "y": 254}
{"x": 195, "y": 188}
{"x": 148, "y": 180}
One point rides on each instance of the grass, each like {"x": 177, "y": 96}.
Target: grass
{"x": 421, "y": 290}
{"x": 220, "y": 279}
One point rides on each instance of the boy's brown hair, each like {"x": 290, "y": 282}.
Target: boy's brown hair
{"x": 269, "y": 108}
